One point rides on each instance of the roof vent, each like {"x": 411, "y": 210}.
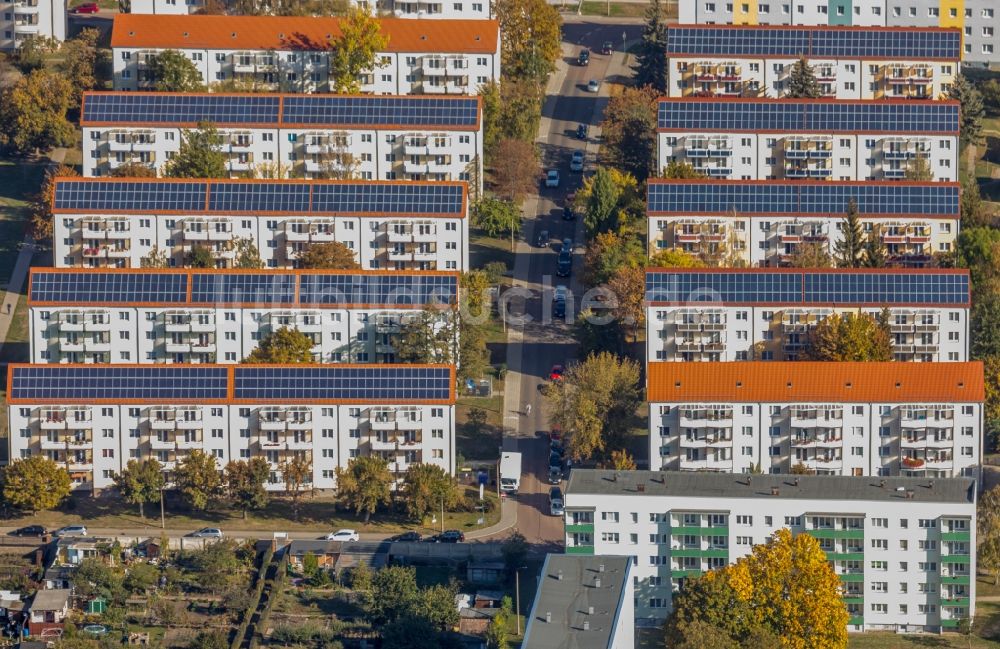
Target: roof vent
{"x": 186, "y": 34}
{"x": 597, "y": 583}
{"x": 796, "y": 482}
{"x": 775, "y": 491}
{"x": 559, "y": 575}
{"x": 600, "y": 568}
{"x": 233, "y": 35}
{"x": 739, "y": 384}
{"x": 131, "y": 33}
{"x": 677, "y": 384}
{"x": 788, "y": 385}
{"x": 548, "y": 616}
{"x": 900, "y": 488}
{"x": 898, "y": 384}
{"x": 881, "y": 483}
{"x": 961, "y": 384}
{"x": 586, "y": 625}
{"x": 590, "y": 610}
{"x": 423, "y": 37}
{"x": 930, "y": 485}
{"x": 848, "y": 385}
{"x": 477, "y": 37}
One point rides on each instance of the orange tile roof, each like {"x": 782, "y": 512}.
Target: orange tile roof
{"x": 802, "y": 381}
{"x": 294, "y": 33}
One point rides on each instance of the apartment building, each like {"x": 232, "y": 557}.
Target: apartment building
{"x": 297, "y": 136}
{"x": 818, "y": 139}
{"x": 24, "y": 19}
{"x": 402, "y": 9}
{"x": 292, "y": 54}
{"x": 765, "y": 223}
{"x": 93, "y": 419}
{"x": 903, "y": 547}
{"x": 979, "y": 20}
{"x": 113, "y": 222}
{"x": 849, "y": 419}
{"x": 198, "y": 316}
{"x": 768, "y": 314}
{"x": 848, "y": 62}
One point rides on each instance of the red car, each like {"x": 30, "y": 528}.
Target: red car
{"x": 86, "y": 8}
{"x": 556, "y": 373}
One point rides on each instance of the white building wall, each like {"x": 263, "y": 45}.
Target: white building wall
{"x": 418, "y": 9}
{"x": 169, "y": 7}
{"x": 870, "y": 13}
{"x": 23, "y": 19}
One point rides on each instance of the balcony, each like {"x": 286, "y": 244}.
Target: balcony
{"x": 97, "y": 345}
{"x": 400, "y": 255}
{"x": 25, "y": 8}
{"x": 164, "y": 443}
{"x": 397, "y": 234}
{"x": 382, "y": 422}
{"x": 424, "y": 233}
{"x": 25, "y": 27}
{"x": 207, "y": 230}
{"x": 416, "y": 167}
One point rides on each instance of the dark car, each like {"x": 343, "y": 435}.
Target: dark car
{"x": 405, "y": 537}
{"x": 559, "y": 308}
{"x": 555, "y": 461}
{"x": 607, "y": 47}
{"x": 543, "y": 239}
{"x": 564, "y": 265}
{"x": 555, "y": 475}
{"x": 30, "y": 530}
{"x": 584, "y": 57}
{"x": 451, "y": 536}
{"x": 581, "y": 132}
{"x": 568, "y": 213}
{"x": 86, "y": 8}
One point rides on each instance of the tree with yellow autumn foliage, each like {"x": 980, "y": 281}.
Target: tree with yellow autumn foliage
{"x": 784, "y": 589}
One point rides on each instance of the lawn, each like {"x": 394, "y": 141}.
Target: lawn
{"x": 19, "y": 179}
{"x": 15, "y": 346}
{"x": 479, "y": 444}
{"x": 895, "y": 641}
{"x": 484, "y": 249}
{"x": 617, "y": 10}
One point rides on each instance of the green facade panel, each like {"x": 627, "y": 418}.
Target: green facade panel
{"x": 580, "y": 549}
{"x": 836, "y": 534}
{"x": 699, "y": 531}
{"x": 956, "y": 558}
{"x": 956, "y": 536}
{"x": 957, "y": 579}
{"x": 581, "y": 527}
{"x": 845, "y": 556}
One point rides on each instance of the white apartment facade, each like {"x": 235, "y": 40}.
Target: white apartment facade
{"x": 292, "y": 136}
{"x": 116, "y": 413}
{"x": 115, "y": 223}
{"x": 413, "y": 9}
{"x": 904, "y": 548}
{"x": 291, "y": 54}
{"x": 24, "y": 19}
{"x": 847, "y": 419}
{"x": 819, "y": 139}
{"x": 848, "y": 62}
{"x": 763, "y": 223}
{"x": 107, "y": 316}
{"x": 724, "y": 315}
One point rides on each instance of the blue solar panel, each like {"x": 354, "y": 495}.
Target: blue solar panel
{"x": 111, "y": 195}
{"x": 791, "y": 116}
{"x": 122, "y": 109}
{"x": 378, "y": 383}
{"x": 782, "y": 197}
{"x": 332, "y": 110}
{"x": 815, "y": 42}
{"x": 107, "y": 287}
{"x": 226, "y": 288}
{"x": 259, "y": 197}
{"x": 156, "y": 383}
{"x": 387, "y": 290}
{"x": 399, "y": 199}
{"x": 770, "y": 286}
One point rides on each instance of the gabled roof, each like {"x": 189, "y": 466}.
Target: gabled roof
{"x": 297, "y": 33}
{"x": 52, "y": 599}
{"x": 811, "y": 382}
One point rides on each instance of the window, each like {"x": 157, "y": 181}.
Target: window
{"x": 609, "y": 516}
{"x": 744, "y": 540}
{"x": 880, "y": 544}
{"x": 927, "y": 523}
{"x": 743, "y": 519}
{"x": 609, "y": 537}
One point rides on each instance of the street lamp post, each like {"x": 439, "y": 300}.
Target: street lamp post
{"x": 517, "y": 597}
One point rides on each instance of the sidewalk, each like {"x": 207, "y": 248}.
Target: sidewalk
{"x": 508, "y": 520}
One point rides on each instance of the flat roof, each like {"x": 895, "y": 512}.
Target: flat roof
{"x": 826, "y": 42}
{"x": 712, "y": 486}
{"x": 286, "y": 385}
{"x": 307, "y": 33}
{"x": 261, "y": 198}
{"x": 190, "y": 288}
{"x": 567, "y": 590}
{"x": 813, "y": 116}
{"x": 812, "y": 382}
{"x": 814, "y": 287}
{"x": 423, "y": 114}
{"x": 802, "y": 198}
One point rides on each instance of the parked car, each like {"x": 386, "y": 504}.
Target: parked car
{"x": 555, "y": 435}
{"x": 555, "y": 475}
{"x": 30, "y": 530}
{"x": 556, "y": 501}
{"x": 71, "y": 530}
{"x": 576, "y": 162}
{"x": 552, "y": 178}
{"x": 555, "y": 374}
{"x": 564, "y": 264}
{"x": 342, "y": 535}
{"x": 451, "y": 536}
{"x": 406, "y": 537}
{"x": 581, "y": 132}
{"x": 567, "y": 245}
{"x": 593, "y": 85}
{"x": 207, "y": 533}
{"x": 607, "y": 47}
{"x": 555, "y": 462}
{"x": 568, "y": 213}
{"x": 543, "y": 239}
{"x": 584, "y": 57}
{"x": 560, "y": 293}
{"x": 559, "y": 309}
{"x": 556, "y": 447}
{"x": 86, "y": 8}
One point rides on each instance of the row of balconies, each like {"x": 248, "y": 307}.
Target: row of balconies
{"x": 96, "y": 250}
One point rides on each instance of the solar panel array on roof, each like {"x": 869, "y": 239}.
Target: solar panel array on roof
{"x": 778, "y": 197}
{"x": 768, "y": 286}
{"x": 260, "y": 197}
{"x": 386, "y": 111}
{"x": 819, "y": 42}
{"x": 104, "y": 288}
{"x": 790, "y": 116}
{"x": 122, "y": 109}
{"x": 260, "y": 288}
{"x": 358, "y": 384}
{"x": 402, "y": 290}
{"x": 107, "y": 382}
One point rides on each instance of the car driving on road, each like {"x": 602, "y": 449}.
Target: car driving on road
{"x": 71, "y": 530}
{"x": 576, "y": 162}
{"x": 581, "y": 132}
{"x": 593, "y": 85}
{"x": 552, "y": 178}
{"x": 207, "y": 533}
{"x": 543, "y": 239}
{"x": 584, "y": 57}
{"x": 342, "y": 535}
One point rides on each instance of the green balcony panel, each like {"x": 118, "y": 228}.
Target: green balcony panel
{"x": 957, "y": 579}
{"x": 958, "y": 601}
{"x": 955, "y": 558}
{"x": 854, "y": 599}
{"x": 856, "y": 619}
{"x": 949, "y": 624}
{"x": 699, "y": 531}
{"x": 845, "y": 556}
{"x": 715, "y": 553}
{"x": 836, "y": 534}
{"x": 956, "y": 536}
{"x": 580, "y": 549}
{"x": 857, "y": 576}
{"x": 676, "y": 574}
{"x": 580, "y": 527}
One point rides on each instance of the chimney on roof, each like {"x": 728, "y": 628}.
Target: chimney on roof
{"x": 749, "y": 479}
{"x": 559, "y": 575}
{"x": 590, "y": 610}
{"x": 600, "y": 568}
{"x": 548, "y": 616}
{"x": 881, "y": 483}
{"x": 774, "y": 491}
{"x": 641, "y": 487}
{"x": 586, "y": 625}
{"x": 597, "y": 583}
{"x": 930, "y": 485}
{"x": 909, "y": 494}
{"x": 796, "y": 482}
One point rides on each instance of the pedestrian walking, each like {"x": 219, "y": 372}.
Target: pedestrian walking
{"x": 527, "y": 409}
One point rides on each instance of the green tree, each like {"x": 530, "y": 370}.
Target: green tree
{"x": 985, "y": 324}
{"x": 173, "y": 71}
{"x": 802, "y": 82}
{"x": 594, "y": 335}
{"x": 971, "y": 110}
{"x": 696, "y": 634}
{"x": 629, "y": 132}
{"x": 141, "y": 482}
{"x": 918, "y": 170}
{"x": 609, "y": 251}
{"x": 155, "y": 259}
{"x": 41, "y": 204}
{"x": 601, "y": 195}
{"x": 531, "y": 44}
{"x": 32, "y": 52}
{"x": 425, "y": 488}
{"x": 197, "y": 257}
{"x": 514, "y": 170}
{"x": 810, "y": 254}
{"x": 199, "y": 155}
{"x": 651, "y": 63}
{"x": 33, "y": 113}
{"x": 497, "y": 634}
{"x": 674, "y": 258}
{"x": 355, "y": 50}
{"x": 988, "y": 532}
{"x": 515, "y": 551}
{"x": 94, "y": 578}
{"x": 628, "y": 285}
{"x": 511, "y": 111}
{"x": 133, "y": 169}
{"x": 330, "y": 255}
{"x": 875, "y": 254}
{"x": 245, "y": 480}
{"x": 975, "y": 212}
{"x": 247, "y": 255}
{"x": 79, "y": 62}
{"x": 393, "y": 594}
{"x": 850, "y": 337}
{"x": 141, "y": 577}
{"x": 426, "y": 336}
{"x": 197, "y": 479}
{"x": 497, "y": 217}
{"x": 209, "y": 640}
{"x": 436, "y": 604}
{"x": 596, "y": 400}
{"x": 990, "y": 90}
{"x": 297, "y": 472}
{"x": 681, "y": 170}
{"x": 283, "y": 346}
{"x": 410, "y": 632}
{"x": 849, "y": 249}
{"x": 365, "y": 484}
{"x": 473, "y": 354}
{"x": 35, "y": 483}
